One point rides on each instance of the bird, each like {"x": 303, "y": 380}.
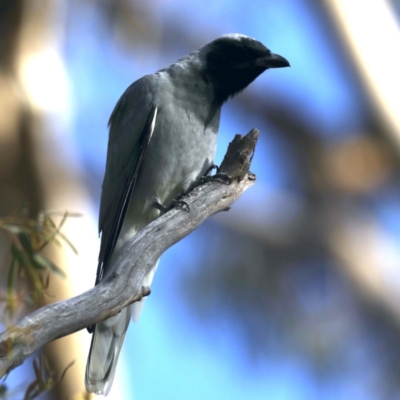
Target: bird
{"x": 162, "y": 140}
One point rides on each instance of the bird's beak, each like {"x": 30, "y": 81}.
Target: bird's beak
{"x": 273, "y": 61}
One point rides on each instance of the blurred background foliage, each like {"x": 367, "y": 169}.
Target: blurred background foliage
{"x": 293, "y": 294}
{"x": 27, "y": 239}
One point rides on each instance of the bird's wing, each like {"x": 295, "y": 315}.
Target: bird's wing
{"x": 131, "y": 127}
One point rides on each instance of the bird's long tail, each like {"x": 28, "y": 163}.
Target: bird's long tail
{"x": 107, "y": 341}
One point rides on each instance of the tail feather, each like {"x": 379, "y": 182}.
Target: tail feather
{"x": 107, "y": 341}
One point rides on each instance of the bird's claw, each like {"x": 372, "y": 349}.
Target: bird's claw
{"x": 176, "y": 203}
{"x": 211, "y": 168}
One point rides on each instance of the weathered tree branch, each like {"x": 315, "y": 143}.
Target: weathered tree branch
{"x": 134, "y": 260}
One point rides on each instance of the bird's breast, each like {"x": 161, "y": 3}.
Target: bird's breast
{"x": 180, "y": 151}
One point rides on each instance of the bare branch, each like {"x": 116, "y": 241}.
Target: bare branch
{"x": 134, "y": 260}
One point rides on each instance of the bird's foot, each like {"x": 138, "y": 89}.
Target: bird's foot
{"x": 211, "y": 168}
{"x": 218, "y": 177}
{"x": 176, "y": 203}
{"x": 183, "y": 195}
{"x": 181, "y": 204}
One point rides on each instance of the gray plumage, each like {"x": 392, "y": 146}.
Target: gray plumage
{"x": 162, "y": 139}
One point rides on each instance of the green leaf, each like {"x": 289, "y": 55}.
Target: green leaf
{"x": 46, "y": 263}
{"x": 10, "y": 288}
{"x": 20, "y": 255}
{"x": 26, "y": 243}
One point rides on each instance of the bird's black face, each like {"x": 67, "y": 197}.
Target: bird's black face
{"x": 232, "y": 62}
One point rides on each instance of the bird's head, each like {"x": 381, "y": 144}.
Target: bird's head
{"x": 231, "y": 62}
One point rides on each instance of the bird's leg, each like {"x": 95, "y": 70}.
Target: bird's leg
{"x": 218, "y": 177}
{"x": 176, "y": 203}
{"x": 210, "y": 168}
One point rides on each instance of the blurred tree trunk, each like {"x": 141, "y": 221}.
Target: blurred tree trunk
{"x": 32, "y": 165}
{"x": 19, "y": 181}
